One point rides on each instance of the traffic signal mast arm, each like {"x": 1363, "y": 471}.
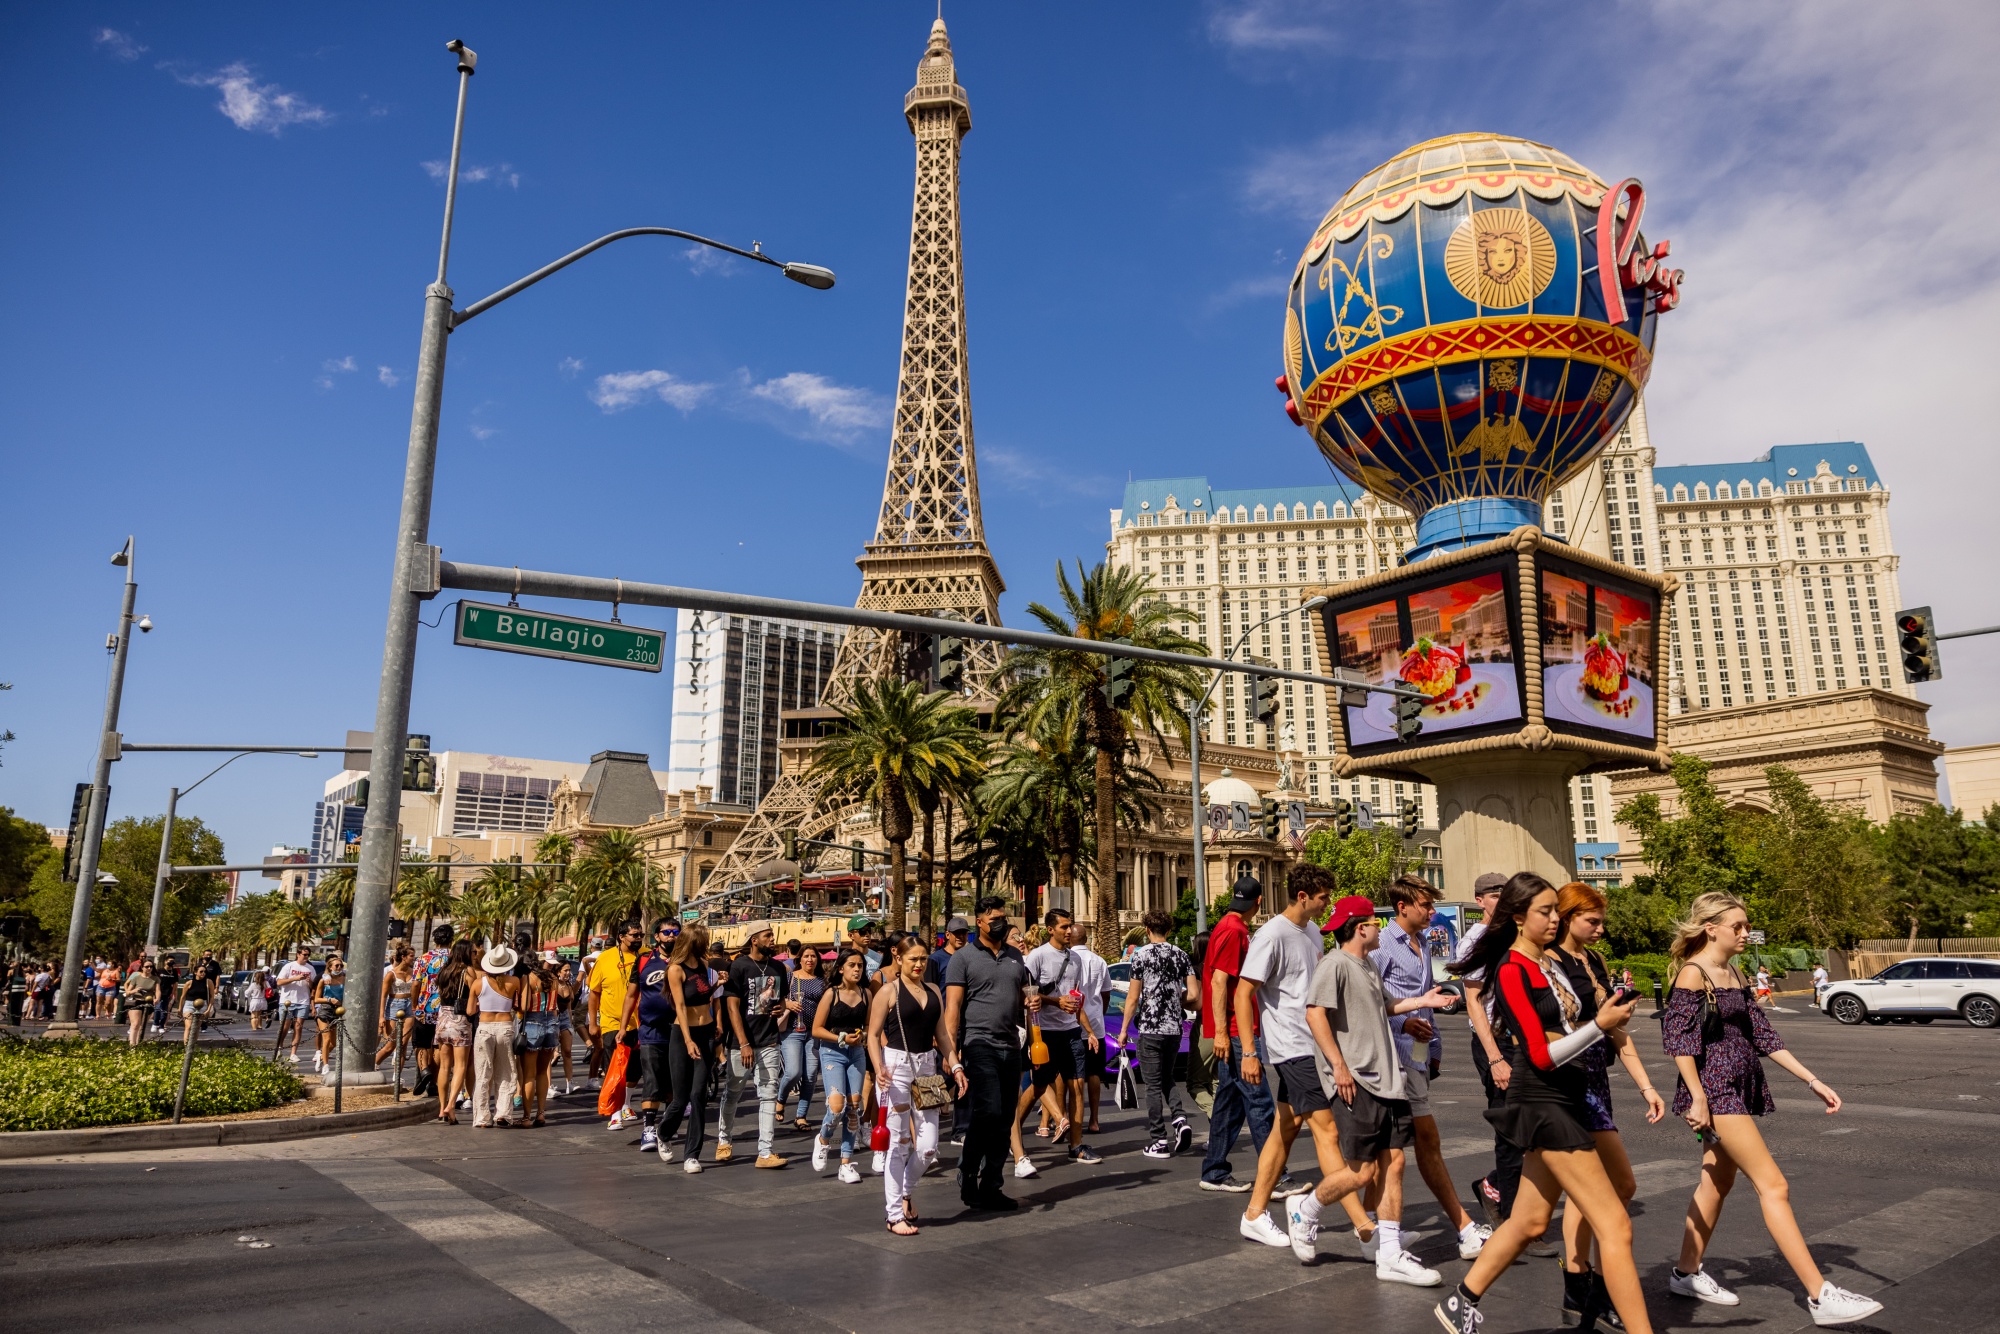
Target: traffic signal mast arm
{"x": 584, "y": 588}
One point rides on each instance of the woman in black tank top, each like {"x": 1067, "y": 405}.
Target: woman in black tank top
{"x": 909, "y": 1043}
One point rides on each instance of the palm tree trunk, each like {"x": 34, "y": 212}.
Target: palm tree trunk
{"x": 898, "y": 870}
{"x": 1105, "y": 932}
{"x": 927, "y": 874}
{"x": 944, "y": 913}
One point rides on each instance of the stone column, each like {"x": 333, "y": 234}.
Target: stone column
{"x": 1505, "y": 816}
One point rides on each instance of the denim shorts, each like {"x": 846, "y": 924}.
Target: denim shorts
{"x": 539, "y": 1034}
{"x": 291, "y": 1011}
{"x": 399, "y": 1009}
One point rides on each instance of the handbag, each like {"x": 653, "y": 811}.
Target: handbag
{"x": 927, "y": 1092}
{"x": 1128, "y": 1084}
{"x": 1711, "y": 1013}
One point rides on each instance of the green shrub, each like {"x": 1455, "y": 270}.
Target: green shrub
{"x": 67, "y": 1084}
{"x": 1645, "y": 968}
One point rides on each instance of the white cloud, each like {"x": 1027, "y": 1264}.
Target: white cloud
{"x": 387, "y": 376}
{"x": 257, "y": 106}
{"x": 706, "y": 259}
{"x": 501, "y": 173}
{"x": 1017, "y": 471}
{"x": 569, "y": 367}
{"x": 1273, "y": 25}
{"x": 832, "y": 412}
{"x": 117, "y": 45}
{"x": 627, "y": 389}
{"x": 331, "y": 367}
{"x": 480, "y": 432}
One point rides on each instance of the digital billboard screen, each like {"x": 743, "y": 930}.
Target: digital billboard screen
{"x": 1599, "y": 654}
{"x": 1453, "y": 640}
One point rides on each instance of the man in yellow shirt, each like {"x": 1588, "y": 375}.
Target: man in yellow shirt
{"x": 605, "y": 994}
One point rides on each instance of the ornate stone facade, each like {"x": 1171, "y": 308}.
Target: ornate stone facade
{"x": 1868, "y": 750}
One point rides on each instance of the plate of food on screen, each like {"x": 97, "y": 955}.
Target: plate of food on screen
{"x": 1446, "y": 679}
{"x": 1600, "y": 690}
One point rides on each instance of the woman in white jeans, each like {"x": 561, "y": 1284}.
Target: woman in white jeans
{"x": 496, "y": 999}
{"x": 908, "y": 1042}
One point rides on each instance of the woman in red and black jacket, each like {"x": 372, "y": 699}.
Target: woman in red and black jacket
{"x": 1545, "y": 1115}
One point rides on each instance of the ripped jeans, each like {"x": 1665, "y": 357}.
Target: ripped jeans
{"x": 841, "y": 1072}
{"x": 913, "y": 1134}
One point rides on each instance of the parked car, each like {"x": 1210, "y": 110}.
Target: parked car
{"x": 1919, "y": 991}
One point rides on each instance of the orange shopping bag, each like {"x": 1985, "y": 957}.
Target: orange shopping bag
{"x": 612, "y": 1098}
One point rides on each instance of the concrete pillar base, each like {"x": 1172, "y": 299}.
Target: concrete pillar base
{"x": 1505, "y": 811}
{"x": 62, "y": 1030}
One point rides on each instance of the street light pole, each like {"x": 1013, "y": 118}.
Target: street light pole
{"x": 160, "y": 875}
{"x": 100, "y": 800}
{"x": 1194, "y": 765}
{"x": 377, "y": 868}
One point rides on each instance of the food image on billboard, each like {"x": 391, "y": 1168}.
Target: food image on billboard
{"x": 1453, "y": 643}
{"x": 1597, "y": 656}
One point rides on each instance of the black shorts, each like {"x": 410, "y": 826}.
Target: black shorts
{"x": 423, "y": 1036}
{"x": 1093, "y": 1061}
{"x": 1298, "y": 1086}
{"x": 1065, "y": 1057}
{"x": 1372, "y": 1125}
{"x": 655, "y": 1086}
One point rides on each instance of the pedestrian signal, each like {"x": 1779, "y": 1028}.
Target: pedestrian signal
{"x": 1117, "y": 681}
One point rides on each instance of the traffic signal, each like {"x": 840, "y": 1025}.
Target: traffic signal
{"x": 1408, "y": 724}
{"x": 1343, "y": 817}
{"x": 788, "y": 839}
{"x": 1918, "y": 633}
{"x": 950, "y": 657}
{"x": 854, "y": 862}
{"x": 1413, "y": 814}
{"x": 1264, "y": 700}
{"x": 360, "y": 794}
{"x": 1270, "y": 819}
{"x": 1117, "y": 681}
{"x": 514, "y": 872}
{"x": 419, "y": 769}
{"x": 398, "y": 929}
{"x": 79, "y": 811}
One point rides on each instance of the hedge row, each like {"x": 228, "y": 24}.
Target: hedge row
{"x": 67, "y": 1084}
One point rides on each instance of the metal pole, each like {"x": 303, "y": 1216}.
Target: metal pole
{"x": 100, "y": 799}
{"x": 376, "y": 873}
{"x": 160, "y": 876}
{"x": 1200, "y": 877}
{"x": 192, "y": 1022}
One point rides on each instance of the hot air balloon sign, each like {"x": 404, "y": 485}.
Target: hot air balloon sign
{"x": 1469, "y": 327}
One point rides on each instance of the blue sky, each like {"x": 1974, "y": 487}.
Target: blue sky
{"x": 222, "y": 218}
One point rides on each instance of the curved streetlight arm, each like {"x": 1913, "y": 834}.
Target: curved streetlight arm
{"x": 810, "y": 275}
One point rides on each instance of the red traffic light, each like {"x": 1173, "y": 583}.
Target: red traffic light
{"x": 1910, "y": 625}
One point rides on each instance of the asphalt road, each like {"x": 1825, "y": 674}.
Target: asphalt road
{"x": 569, "y": 1228}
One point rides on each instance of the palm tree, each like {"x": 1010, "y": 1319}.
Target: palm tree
{"x": 424, "y": 890}
{"x": 621, "y": 879}
{"x": 298, "y": 921}
{"x": 336, "y": 889}
{"x": 941, "y": 792}
{"x": 892, "y": 739}
{"x": 1042, "y": 784}
{"x": 1065, "y": 688}
{"x": 482, "y": 912}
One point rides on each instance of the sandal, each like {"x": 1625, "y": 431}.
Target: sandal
{"x": 909, "y": 1213}
{"x": 902, "y": 1228}
{"x": 537, "y": 1123}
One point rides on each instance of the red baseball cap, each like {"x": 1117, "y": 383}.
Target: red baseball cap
{"x": 1347, "y": 910}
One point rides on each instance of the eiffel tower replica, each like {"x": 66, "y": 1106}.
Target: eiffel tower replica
{"x": 929, "y": 554}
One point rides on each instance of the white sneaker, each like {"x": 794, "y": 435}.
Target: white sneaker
{"x": 1024, "y": 1167}
{"x": 618, "y": 1120}
{"x": 691, "y": 1166}
{"x": 1473, "y": 1240}
{"x": 1699, "y": 1286}
{"x": 1402, "y": 1267}
{"x": 850, "y": 1174}
{"x": 1837, "y": 1306}
{"x": 1369, "y": 1246}
{"x": 665, "y": 1145}
{"x": 881, "y": 1163}
{"x": 1261, "y": 1228}
{"x": 1304, "y": 1235}
{"x": 819, "y": 1154}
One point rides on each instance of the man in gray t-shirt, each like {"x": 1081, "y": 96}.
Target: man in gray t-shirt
{"x": 1363, "y": 1124}
{"x": 986, "y": 992}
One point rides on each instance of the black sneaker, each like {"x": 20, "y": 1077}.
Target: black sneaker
{"x": 1183, "y": 1135}
{"x": 1083, "y": 1153}
{"x": 1458, "y": 1315}
{"x": 1159, "y": 1148}
{"x": 993, "y": 1199}
{"x": 1545, "y": 1247}
{"x": 1489, "y": 1202}
{"x": 1229, "y": 1184}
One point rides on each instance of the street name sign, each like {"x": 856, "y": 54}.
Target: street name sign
{"x": 518, "y": 630}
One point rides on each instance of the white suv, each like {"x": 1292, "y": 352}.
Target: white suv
{"x": 1920, "y": 990}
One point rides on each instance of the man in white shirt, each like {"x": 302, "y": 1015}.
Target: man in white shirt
{"x": 1056, "y": 972}
{"x": 1096, "y": 988}
{"x": 1279, "y": 967}
{"x": 1819, "y": 985}
{"x": 295, "y": 980}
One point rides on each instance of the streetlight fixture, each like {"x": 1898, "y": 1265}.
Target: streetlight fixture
{"x": 1194, "y": 762}
{"x": 415, "y": 573}
{"x": 100, "y": 799}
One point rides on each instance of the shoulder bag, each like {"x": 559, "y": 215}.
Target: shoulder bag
{"x": 927, "y": 1092}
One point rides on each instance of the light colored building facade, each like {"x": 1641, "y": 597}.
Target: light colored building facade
{"x": 733, "y": 676}
{"x": 1228, "y": 559}
{"x": 1972, "y": 773}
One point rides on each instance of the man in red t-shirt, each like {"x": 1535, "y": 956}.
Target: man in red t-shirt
{"x": 1235, "y": 1101}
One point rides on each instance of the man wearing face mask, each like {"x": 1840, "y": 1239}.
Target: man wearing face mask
{"x": 986, "y": 990}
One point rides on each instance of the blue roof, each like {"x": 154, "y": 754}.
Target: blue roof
{"x": 1778, "y": 465}
{"x": 1149, "y": 496}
